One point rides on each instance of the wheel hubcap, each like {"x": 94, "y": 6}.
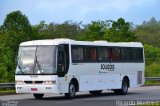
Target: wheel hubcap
{"x": 72, "y": 90}
{"x": 125, "y": 87}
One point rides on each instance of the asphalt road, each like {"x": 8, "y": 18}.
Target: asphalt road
{"x": 135, "y": 96}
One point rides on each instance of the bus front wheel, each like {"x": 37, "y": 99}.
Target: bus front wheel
{"x": 38, "y": 96}
{"x": 71, "y": 91}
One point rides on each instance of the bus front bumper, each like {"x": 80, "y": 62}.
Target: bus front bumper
{"x": 30, "y": 88}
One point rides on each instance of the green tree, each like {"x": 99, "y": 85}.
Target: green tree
{"x": 116, "y": 31}
{"x": 15, "y": 29}
{"x": 40, "y": 31}
{"x": 121, "y": 31}
{"x": 149, "y": 32}
{"x": 152, "y": 60}
{"x": 95, "y": 30}
{"x": 68, "y": 29}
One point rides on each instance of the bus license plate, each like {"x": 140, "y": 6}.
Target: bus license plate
{"x": 34, "y": 89}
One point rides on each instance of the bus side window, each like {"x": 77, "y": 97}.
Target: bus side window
{"x": 110, "y": 57}
{"x": 114, "y": 54}
{"x": 103, "y": 54}
{"x": 77, "y": 54}
{"x": 93, "y": 54}
{"x": 90, "y": 54}
{"x": 63, "y": 59}
{"x": 127, "y": 54}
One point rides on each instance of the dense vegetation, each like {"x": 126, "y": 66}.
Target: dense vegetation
{"x": 17, "y": 28}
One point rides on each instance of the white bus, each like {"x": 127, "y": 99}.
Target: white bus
{"x": 65, "y": 66}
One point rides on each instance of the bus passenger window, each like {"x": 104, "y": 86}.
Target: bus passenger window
{"x": 77, "y": 54}
{"x": 102, "y": 54}
{"x": 137, "y": 54}
{"x": 93, "y": 54}
{"x": 114, "y": 54}
{"x": 110, "y": 54}
{"x": 127, "y": 54}
{"x": 90, "y": 53}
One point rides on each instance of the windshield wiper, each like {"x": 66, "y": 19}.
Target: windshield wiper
{"x": 22, "y": 72}
{"x": 39, "y": 66}
{"x": 20, "y": 69}
{"x": 37, "y": 63}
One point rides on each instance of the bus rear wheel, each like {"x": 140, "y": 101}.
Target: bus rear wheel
{"x": 38, "y": 96}
{"x": 71, "y": 91}
{"x": 124, "y": 88}
{"x": 98, "y": 92}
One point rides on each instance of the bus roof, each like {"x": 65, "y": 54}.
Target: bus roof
{"x": 74, "y": 42}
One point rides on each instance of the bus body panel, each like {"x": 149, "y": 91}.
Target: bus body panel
{"x": 104, "y": 79}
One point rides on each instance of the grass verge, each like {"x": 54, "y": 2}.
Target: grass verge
{"x": 7, "y": 91}
{"x": 152, "y": 83}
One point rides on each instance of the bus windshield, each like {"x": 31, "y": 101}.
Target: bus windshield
{"x": 37, "y": 60}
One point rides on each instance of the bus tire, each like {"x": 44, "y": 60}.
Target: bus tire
{"x": 124, "y": 88}
{"x": 98, "y": 92}
{"x": 38, "y": 96}
{"x": 71, "y": 91}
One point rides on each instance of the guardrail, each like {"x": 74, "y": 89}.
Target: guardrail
{"x": 7, "y": 85}
{"x": 152, "y": 78}
{"x": 12, "y": 85}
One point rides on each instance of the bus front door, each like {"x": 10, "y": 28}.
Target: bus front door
{"x": 63, "y": 60}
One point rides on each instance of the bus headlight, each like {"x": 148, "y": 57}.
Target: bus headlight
{"x": 49, "y": 82}
{"x": 19, "y": 82}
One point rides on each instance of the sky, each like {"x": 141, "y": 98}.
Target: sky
{"x": 84, "y": 11}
